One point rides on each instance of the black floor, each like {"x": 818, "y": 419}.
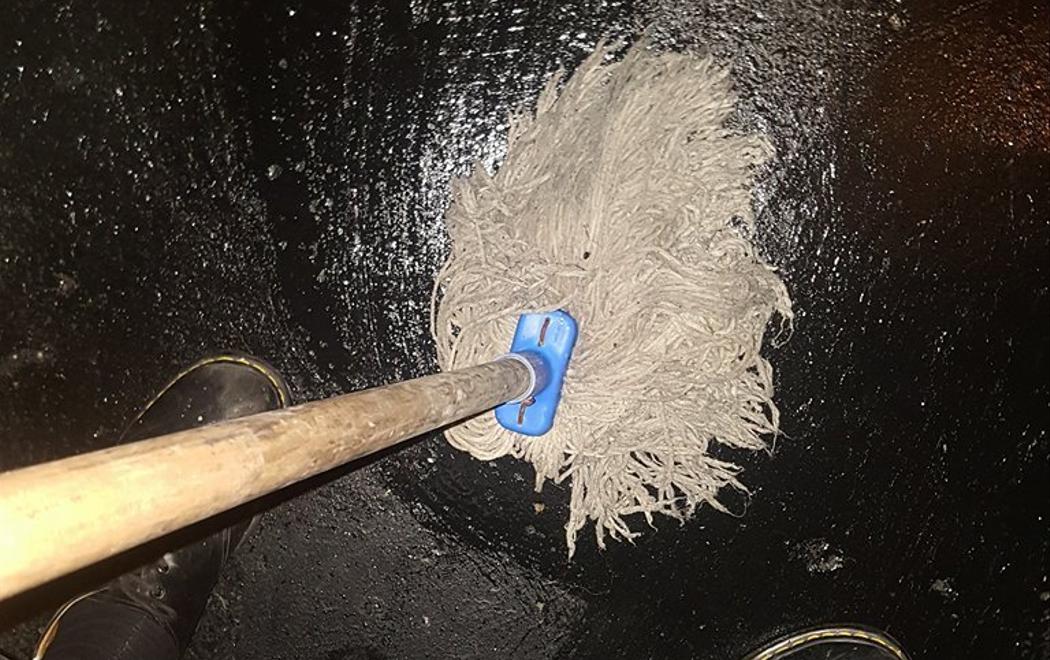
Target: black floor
{"x": 175, "y": 180}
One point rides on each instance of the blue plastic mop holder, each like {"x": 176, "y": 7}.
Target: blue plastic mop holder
{"x": 544, "y": 342}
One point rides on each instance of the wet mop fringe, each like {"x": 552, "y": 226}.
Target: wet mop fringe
{"x": 624, "y": 199}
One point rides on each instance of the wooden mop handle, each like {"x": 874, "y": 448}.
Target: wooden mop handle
{"x": 61, "y": 516}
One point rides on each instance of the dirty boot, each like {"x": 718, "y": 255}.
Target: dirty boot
{"x": 150, "y": 613}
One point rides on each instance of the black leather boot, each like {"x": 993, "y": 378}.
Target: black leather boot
{"x": 151, "y": 613}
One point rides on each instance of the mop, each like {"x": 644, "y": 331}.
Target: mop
{"x": 609, "y": 252}
{"x": 625, "y": 201}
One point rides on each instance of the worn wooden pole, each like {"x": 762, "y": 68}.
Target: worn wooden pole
{"x": 60, "y": 516}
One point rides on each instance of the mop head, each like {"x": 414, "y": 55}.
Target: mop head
{"x": 625, "y": 200}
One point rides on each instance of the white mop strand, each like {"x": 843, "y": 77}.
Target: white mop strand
{"x": 622, "y": 200}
